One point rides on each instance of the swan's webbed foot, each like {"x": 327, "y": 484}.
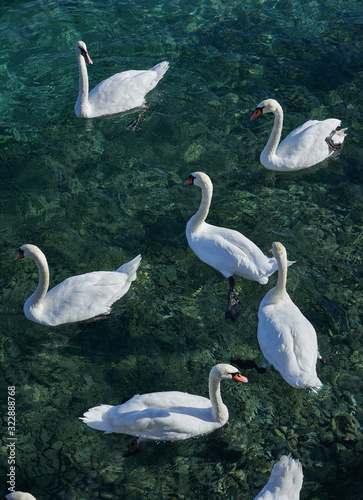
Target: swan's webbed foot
{"x": 96, "y": 319}
{"x": 326, "y": 359}
{"x": 248, "y": 364}
{"x": 134, "y": 450}
{"x": 234, "y": 307}
{"x": 335, "y": 146}
{"x": 132, "y": 126}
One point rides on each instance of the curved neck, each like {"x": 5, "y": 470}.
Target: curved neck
{"x": 43, "y": 284}
{"x": 202, "y": 213}
{"x": 82, "y": 98}
{"x": 279, "y": 291}
{"x": 220, "y": 410}
{"x": 275, "y": 136}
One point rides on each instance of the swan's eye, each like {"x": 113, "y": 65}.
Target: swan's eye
{"x": 191, "y": 177}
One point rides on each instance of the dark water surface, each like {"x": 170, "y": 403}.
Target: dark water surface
{"x": 92, "y": 195}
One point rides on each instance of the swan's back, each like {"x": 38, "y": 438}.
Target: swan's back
{"x": 126, "y": 90}
{"x": 170, "y": 416}
{"x": 288, "y": 341}
{"x": 230, "y": 252}
{"x": 82, "y": 297}
{"x": 306, "y": 144}
{"x": 285, "y": 482}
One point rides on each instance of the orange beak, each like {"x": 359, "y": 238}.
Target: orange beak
{"x": 189, "y": 181}
{"x": 20, "y": 255}
{"x": 257, "y": 113}
{"x": 240, "y": 378}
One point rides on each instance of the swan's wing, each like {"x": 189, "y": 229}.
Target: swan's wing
{"x": 309, "y": 139}
{"x": 188, "y": 415}
{"x": 124, "y": 90}
{"x": 82, "y": 297}
{"x": 285, "y": 481}
{"x": 231, "y": 253}
{"x": 166, "y": 399}
{"x": 287, "y": 339}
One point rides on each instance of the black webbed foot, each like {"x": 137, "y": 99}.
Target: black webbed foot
{"x": 247, "y": 364}
{"x": 335, "y": 146}
{"x": 132, "y": 126}
{"x": 134, "y": 450}
{"x": 326, "y": 359}
{"x": 234, "y": 307}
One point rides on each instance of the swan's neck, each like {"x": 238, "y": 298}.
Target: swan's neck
{"x": 43, "y": 285}
{"x": 220, "y": 410}
{"x": 82, "y": 99}
{"x": 274, "y": 140}
{"x": 202, "y": 213}
{"x": 279, "y": 291}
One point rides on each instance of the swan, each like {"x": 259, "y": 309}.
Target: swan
{"x": 77, "y": 298}
{"x": 226, "y": 250}
{"x": 304, "y": 147}
{"x": 20, "y": 495}
{"x": 120, "y": 92}
{"x": 167, "y": 416}
{"x": 285, "y": 481}
{"x": 287, "y": 339}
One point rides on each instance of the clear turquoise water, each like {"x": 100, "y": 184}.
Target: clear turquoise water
{"x": 93, "y": 196}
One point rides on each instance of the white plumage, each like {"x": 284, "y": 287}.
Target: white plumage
{"x": 20, "y": 495}
{"x": 120, "y": 92}
{"x": 304, "y": 147}
{"x": 287, "y": 339}
{"x": 227, "y": 250}
{"x": 77, "y": 298}
{"x": 285, "y": 482}
{"x": 169, "y": 415}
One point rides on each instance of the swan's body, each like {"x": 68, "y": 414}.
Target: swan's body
{"x": 20, "y": 495}
{"x": 120, "y": 92}
{"x": 77, "y": 298}
{"x": 287, "y": 339}
{"x": 227, "y": 250}
{"x": 167, "y": 416}
{"x": 304, "y": 147}
{"x": 285, "y": 482}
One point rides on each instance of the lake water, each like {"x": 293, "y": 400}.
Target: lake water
{"x": 93, "y": 195}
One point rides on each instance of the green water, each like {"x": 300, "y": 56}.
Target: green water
{"x": 92, "y": 196}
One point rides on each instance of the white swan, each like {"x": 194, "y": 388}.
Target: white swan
{"x": 304, "y": 147}
{"x": 287, "y": 339}
{"x": 285, "y": 482}
{"x": 226, "y": 250}
{"x": 77, "y": 298}
{"x": 120, "y": 92}
{"x": 20, "y": 495}
{"x": 167, "y": 416}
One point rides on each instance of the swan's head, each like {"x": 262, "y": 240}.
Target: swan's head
{"x": 225, "y": 371}
{"x": 28, "y": 251}
{"x": 198, "y": 179}
{"x": 266, "y": 106}
{"x": 20, "y": 495}
{"x": 81, "y": 50}
{"x": 278, "y": 249}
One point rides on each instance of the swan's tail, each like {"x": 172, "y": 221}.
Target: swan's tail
{"x": 95, "y": 418}
{"x": 285, "y": 481}
{"x": 161, "y": 69}
{"x": 263, "y": 280}
{"x": 288, "y": 471}
{"x": 341, "y": 133}
{"x": 130, "y": 268}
